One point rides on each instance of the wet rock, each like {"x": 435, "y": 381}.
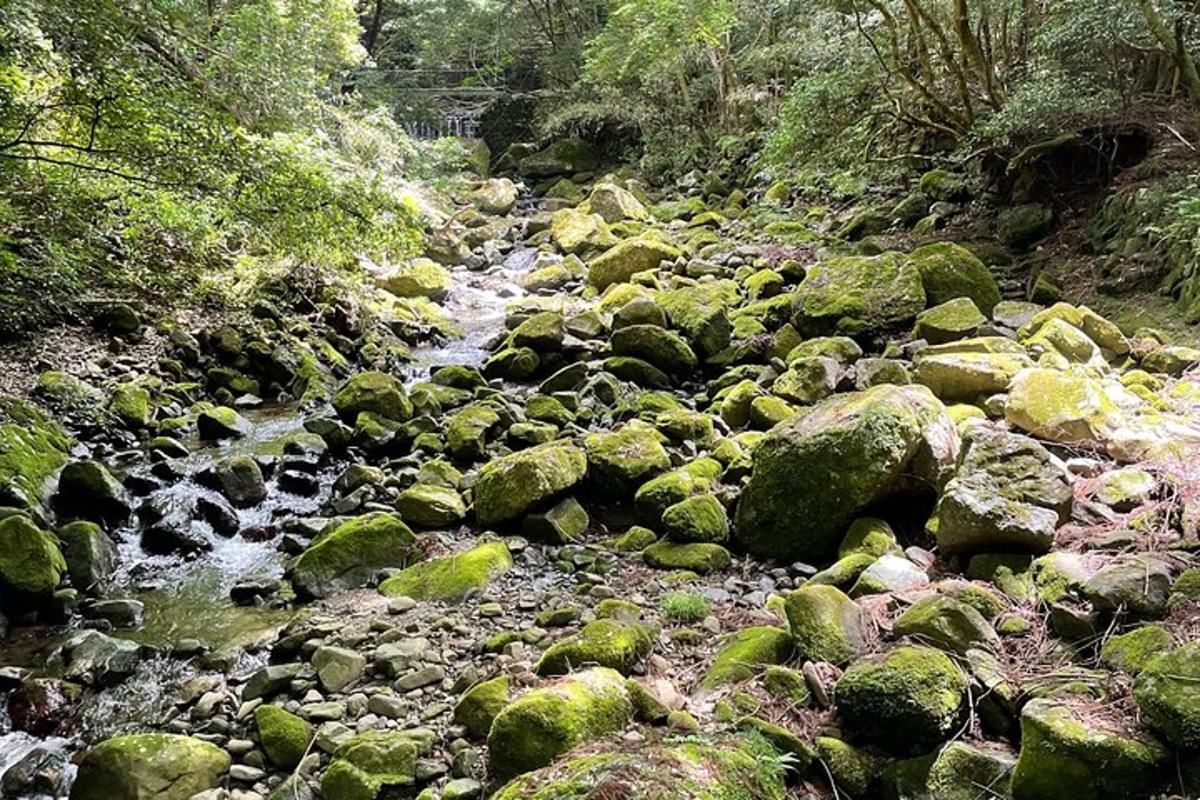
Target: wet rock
{"x": 219, "y": 514}
{"x": 31, "y": 564}
{"x": 271, "y": 680}
{"x": 39, "y": 772}
{"x": 141, "y": 766}
{"x": 222, "y": 423}
{"x": 241, "y": 481}
{"x": 374, "y": 392}
{"x": 92, "y": 658}
{"x": 87, "y": 489}
{"x": 43, "y": 706}
{"x": 121, "y": 613}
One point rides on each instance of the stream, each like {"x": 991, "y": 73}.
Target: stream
{"x": 188, "y": 597}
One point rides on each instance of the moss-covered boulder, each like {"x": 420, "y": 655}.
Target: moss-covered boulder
{"x": 562, "y": 157}
{"x": 614, "y": 204}
{"x": 808, "y": 380}
{"x": 578, "y": 232}
{"x": 284, "y": 736}
{"x": 31, "y": 563}
{"x": 657, "y": 346}
{"x": 512, "y": 485}
{"x": 701, "y": 558}
{"x": 422, "y": 277}
{"x": 534, "y": 730}
{"x": 948, "y": 322}
{"x": 825, "y": 624}
{"x": 495, "y": 196}
{"x": 622, "y": 262}
{"x": 1168, "y": 693}
{"x": 729, "y": 768}
{"x": 1008, "y": 495}
{"x": 351, "y": 554}
{"x": 151, "y": 766}
{"x": 376, "y": 392}
{"x": 374, "y": 765}
{"x": 697, "y": 519}
{"x": 747, "y": 653}
{"x": 429, "y": 506}
{"x": 701, "y": 313}
{"x": 946, "y": 623}
{"x": 1064, "y": 407}
{"x": 604, "y": 642}
{"x": 222, "y": 422}
{"x": 906, "y": 701}
{"x": 453, "y": 578}
{"x": 949, "y": 270}
{"x": 1131, "y": 651}
{"x": 241, "y": 480}
{"x": 542, "y": 332}
{"x": 967, "y": 377}
{"x": 1020, "y": 227}
{"x": 87, "y": 489}
{"x": 1072, "y": 750}
{"x": 32, "y": 451}
{"x": 513, "y": 364}
{"x": 467, "y": 431}
{"x": 130, "y": 405}
{"x": 856, "y": 295}
{"x": 623, "y": 459}
{"x": 90, "y": 554}
{"x": 816, "y": 472}
{"x": 479, "y": 706}
{"x": 956, "y": 772}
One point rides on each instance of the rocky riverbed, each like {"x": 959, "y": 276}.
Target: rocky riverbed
{"x": 613, "y": 494}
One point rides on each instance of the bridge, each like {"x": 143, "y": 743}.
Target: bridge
{"x": 433, "y": 103}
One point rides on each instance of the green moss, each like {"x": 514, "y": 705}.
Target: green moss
{"x": 656, "y": 495}
{"x": 853, "y": 295}
{"x": 697, "y": 519}
{"x": 376, "y": 392}
{"x": 162, "y": 766}
{"x": 351, "y": 554}
{"x": 946, "y": 623}
{"x": 948, "y": 322}
{"x": 826, "y": 625}
{"x": 615, "y": 608}
{"x": 532, "y": 731}
{"x": 604, "y": 642}
{"x": 1168, "y": 693}
{"x": 372, "y": 764}
{"x": 701, "y": 313}
{"x": 430, "y": 506}
{"x": 744, "y": 656}
{"x": 130, "y": 404}
{"x": 450, "y": 579}
{"x": 701, "y": 558}
{"x": 32, "y": 450}
{"x": 729, "y": 768}
{"x": 949, "y": 271}
{"x": 511, "y": 485}
{"x": 870, "y": 536}
{"x": 1131, "y": 651}
{"x": 786, "y": 685}
{"x": 622, "y": 459}
{"x": 284, "y": 736}
{"x": 480, "y": 704}
{"x": 655, "y": 345}
{"x": 906, "y": 701}
{"x": 467, "y": 431}
{"x": 31, "y": 563}
{"x": 684, "y": 607}
{"x": 622, "y": 262}
{"x": 1066, "y": 755}
{"x": 960, "y": 769}
{"x": 854, "y": 771}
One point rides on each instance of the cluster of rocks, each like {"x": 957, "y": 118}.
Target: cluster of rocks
{"x": 714, "y": 519}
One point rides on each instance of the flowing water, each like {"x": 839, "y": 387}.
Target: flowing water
{"x": 188, "y": 597}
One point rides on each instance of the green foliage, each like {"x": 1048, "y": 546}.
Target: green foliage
{"x": 684, "y": 607}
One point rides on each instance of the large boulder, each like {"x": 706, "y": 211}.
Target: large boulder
{"x": 700, "y": 312}
{"x": 825, "y": 624}
{"x": 578, "y": 232}
{"x": 536, "y": 729}
{"x": 375, "y": 765}
{"x": 655, "y": 345}
{"x": 949, "y": 270}
{"x": 747, "y": 653}
{"x": 563, "y": 157}
{"x": 87, "y": 489}
{"x": 614, "y": 204}
{"x": 150, "y": 766}
{"x": 428, "y": 506}
{"x": 1167, "y": 691}
{"x": 351, "y": 554}
{"x": 816, "y": 472}
{"x": 453, "y": 578}
{"x": 90, "y": 554}
{"x": 620, "y": 263}
{"x": 858, "y": 295}
{"x": 31, "y": 563}
{"x": 603, "y": 642}
{"x": 512, "y": 485}
{"x": 240, "y": 479}
{"x": 1009, "y": 495}
{"x": 623, "y": 459}
{"x": 376, "y": 392}
{"x": 285, "y": 737}
{"x": 1071, "y": 751}
{"x": 96, "y": 659}
{"x": 694, "y": 769}
{"x": 968, "y": 377}
{"x": 906, "y": 701}
{"x": 422, "y": 277}
{"x": 32, "y": 451}
{"x": 495, "y": 196}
